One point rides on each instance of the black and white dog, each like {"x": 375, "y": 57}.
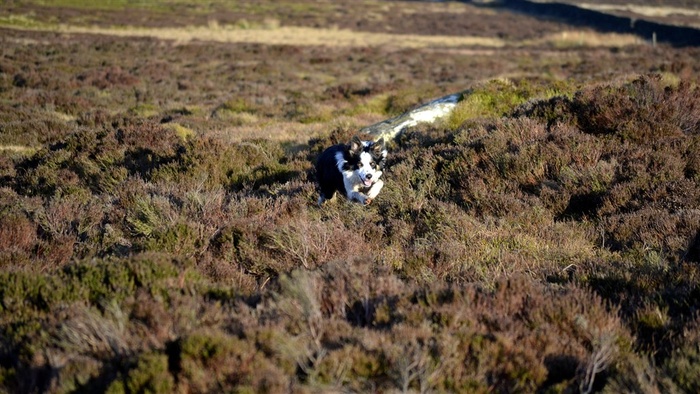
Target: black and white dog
{"x": 353, "y": 170}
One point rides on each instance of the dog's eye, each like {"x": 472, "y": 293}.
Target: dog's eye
{"x": 373, "y": 164}
{"x": 359, "y": 164}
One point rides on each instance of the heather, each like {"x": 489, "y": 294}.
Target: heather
{"x": 159, "y": 230}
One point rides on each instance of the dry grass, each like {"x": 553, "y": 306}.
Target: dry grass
{"x": 285, "y": 35}
{"x": 18, "y": 149}
{"x": 273, "y": 34}
{"x": 587, "y": 38}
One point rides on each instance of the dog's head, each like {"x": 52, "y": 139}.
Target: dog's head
{"x": 367, "y": 159}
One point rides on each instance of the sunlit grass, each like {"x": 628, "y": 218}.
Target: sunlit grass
{"x": 271, "y": 32}
{"x": 21, "y": 21}
{"x": 286, "y": 35}
{"x": 17, "y": 148}
{"x": 574, "y": 39}
{"x": 185, "y": 133}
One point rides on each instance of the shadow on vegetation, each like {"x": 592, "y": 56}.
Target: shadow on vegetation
{"x": 573, "y": 15}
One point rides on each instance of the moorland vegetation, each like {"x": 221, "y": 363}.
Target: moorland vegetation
{"x": 159, "y": 229}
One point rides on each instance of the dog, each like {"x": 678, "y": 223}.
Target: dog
{"x": 351, "y": 169}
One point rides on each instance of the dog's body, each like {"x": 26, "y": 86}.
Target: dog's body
{"x": 351, "y": 170}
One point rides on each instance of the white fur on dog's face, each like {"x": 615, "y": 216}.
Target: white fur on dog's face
{"x": 366, "y": 172}
{"x": 367, "y": 169}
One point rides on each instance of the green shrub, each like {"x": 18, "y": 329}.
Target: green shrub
{"x": 682, "y": 367}
{"x": 212, "y": 360}
{"x": 497, "y": 98}
{"x": 150, "y": 375}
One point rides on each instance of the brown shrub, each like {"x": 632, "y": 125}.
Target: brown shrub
{"x": 444, "y": 338}
{"x": 643, "y": 110}
{"x": 106, "y": 78}
{"x": 308, "y": 244}
{"x": 18, "y": 237}
{"x": 653, "y": 229}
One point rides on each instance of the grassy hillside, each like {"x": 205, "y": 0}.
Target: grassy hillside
{"x": 159, "y": 232}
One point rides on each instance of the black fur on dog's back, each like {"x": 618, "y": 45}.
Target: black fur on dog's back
{"x": 329, "y": 178}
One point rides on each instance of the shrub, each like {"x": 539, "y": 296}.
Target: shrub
{"x": 214, "y": 361}
{"x": 642, "y": 110}
{"x": 98, "y": 161}
{"x": 150, "y": 375}
{"x": 18, "y": 236}
{"x": 682, "y": 365}
{"x": 496, "y": 98}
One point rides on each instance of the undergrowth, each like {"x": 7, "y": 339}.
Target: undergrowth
{"x": 552, "y": 248}
{"x": 159, "y": 230}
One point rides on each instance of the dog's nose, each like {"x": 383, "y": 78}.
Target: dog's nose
{"x": 368, "y": 176}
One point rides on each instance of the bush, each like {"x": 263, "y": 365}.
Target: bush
{"x": 149, "y": 376}
{"x": 97, "y": 160}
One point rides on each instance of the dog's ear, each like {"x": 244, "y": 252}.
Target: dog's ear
{"x": 378, "y": 149}
{"x": 355, "y": 145}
